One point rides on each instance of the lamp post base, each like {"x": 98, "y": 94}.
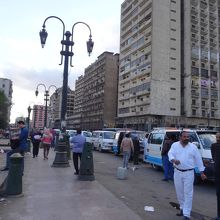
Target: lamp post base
{"x": 61, "y": 159}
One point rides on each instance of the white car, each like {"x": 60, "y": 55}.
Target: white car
{"x": 102, "y": 140}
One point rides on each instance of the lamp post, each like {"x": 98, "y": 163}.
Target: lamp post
{"x": 66, "y": 52}
{"x": 29, "y": 112}
{"x": 46, "y": 99}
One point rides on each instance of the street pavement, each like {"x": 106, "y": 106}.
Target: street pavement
{"x": 51, "y": 193}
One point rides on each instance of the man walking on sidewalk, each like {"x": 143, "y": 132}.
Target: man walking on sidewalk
{"x": 185, "y": 157}
{"x": 77, "y": 143}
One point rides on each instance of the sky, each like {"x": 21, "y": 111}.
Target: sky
{"x": 22, "y": 58}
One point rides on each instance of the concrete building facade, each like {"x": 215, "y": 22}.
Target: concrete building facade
{"x": 157, "y": 65}
{"x": 54, "y": 113}
{"x": 95, "y": 104}
{"x": 38, "y": 115}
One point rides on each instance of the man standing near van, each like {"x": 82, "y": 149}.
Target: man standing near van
{"x": 167, "y": 165}
{"x": 185, "y": 157}
{"x": 77, "y": 143}
{"x": 215, "y": 149}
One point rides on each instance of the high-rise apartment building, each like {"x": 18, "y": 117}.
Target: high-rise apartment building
{"x": 200, "y": 59}
{"x": 54, "y": 113}
{"x": 95, "y": 103}
{"x": 38, "y": 115}
{"x": 163, "y": 77}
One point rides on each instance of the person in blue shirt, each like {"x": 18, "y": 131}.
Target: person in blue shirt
{"x": 21, "y": 146}
{"x": 77, "y": 143}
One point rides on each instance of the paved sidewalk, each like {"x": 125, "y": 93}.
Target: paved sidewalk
{"x": 51, "y": 193}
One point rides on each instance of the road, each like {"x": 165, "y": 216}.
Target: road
{"x": 145, "y": 188}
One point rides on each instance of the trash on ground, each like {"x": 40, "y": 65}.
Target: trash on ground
{"x": 2, "y": 199}
{"x": 122, "y": 197}
{"x": 149, "y": 208}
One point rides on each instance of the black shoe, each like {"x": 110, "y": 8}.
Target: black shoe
{"x": 76, "y": 173}
{"x": 165, "y": 179}
{"x": 185, "y": 218}
{"x": 180, "y": 213}
{"x": 5, "y": 169}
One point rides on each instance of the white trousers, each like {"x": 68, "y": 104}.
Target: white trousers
{"x": 183, "y": 182}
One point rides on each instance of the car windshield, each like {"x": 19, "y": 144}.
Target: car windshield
{"x": 207, "y": 140}
{"x": 139, "y": 134}
{"x": 87, "y": 134}
{"x": 109, "y": 135}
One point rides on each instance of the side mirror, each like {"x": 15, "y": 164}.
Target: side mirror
{"x": 197, "y": 144}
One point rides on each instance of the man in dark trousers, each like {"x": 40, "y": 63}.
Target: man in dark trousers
{"x": 167, "y": 165}
{"x": 77, "y": 143}
{"x": 215, "y": 149}
{"x": 21, "y": 146}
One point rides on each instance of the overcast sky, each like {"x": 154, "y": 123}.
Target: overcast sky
{"x": 24, "y": 61}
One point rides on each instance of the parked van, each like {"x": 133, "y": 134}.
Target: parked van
{"x": 120, "y": 135}
{"x": 102, "y": 140}
{"x": 201, "y": 138}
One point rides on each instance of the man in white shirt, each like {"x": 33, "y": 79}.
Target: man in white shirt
{"x": 185, "y": 157}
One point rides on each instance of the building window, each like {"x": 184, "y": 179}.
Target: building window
{"x": 193, "y": 112}
{"x": 212, "y": 114}
{"x": 212, "y": 104}
{"x": 173, "y": 68}
{"x": 172, "y": 78}
{"x": 193, "y": 102}
{"x": 172, "y": 88}
{"x": 203, "y": 113}
{"x": 172, "y": 58}
{"x": 203, "y": 103}
{"x": 172, "y": 109}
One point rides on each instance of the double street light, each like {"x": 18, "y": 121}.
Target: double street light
{"x": 66, "y": 52}
{"x": 46, "y": 99}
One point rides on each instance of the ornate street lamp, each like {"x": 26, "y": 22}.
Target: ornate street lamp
{"x": 67, "y": 52}
{"x": 46, "y": 94}
{"x": 29, "y": 112}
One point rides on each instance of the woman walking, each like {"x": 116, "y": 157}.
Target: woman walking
{"x": 46, "y": 141}
{"x": 126, "y": 147}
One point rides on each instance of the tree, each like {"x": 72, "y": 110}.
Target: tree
{"x": 4, "y": 107}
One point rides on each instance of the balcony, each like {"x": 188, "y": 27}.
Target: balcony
{"x": 194, "y": 94}
{"x": 194, "y": 2}
{"x": 194, "y": 30}
{"x": 204, "y": 31}
{"x": 214, "y": 97}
